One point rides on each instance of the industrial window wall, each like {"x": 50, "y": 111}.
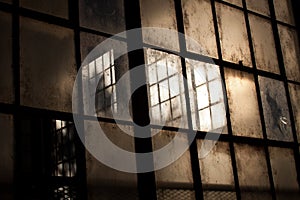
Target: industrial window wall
{"x": 243, "y": 87}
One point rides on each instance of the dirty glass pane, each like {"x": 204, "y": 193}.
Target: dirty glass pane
{"x": 264, "y": 45}
{"x": 48, "y": 67}
{"x": 166, "y": 100}
{"x": 261, "y": 6}
{"x": 290, "y": 50}
{"x": 206, "y": 96}
{"x": 284, "y": 11}
{"x": 58, "y": 8}
{"x": 106, "y": 16}
{"x": 252, "y": 171}
{"x": 6, "y": 156}
{"x": 295, "y": 99}
{"x": 233, "y": 35}
{"x": 6, "y": 75}
{"x": 243, "y": 104}
{"x": 235, "y": 2}
{"x": 284, "y": 173}
{"x": 215, "y": 165}
{"x": 198, "y": 23}
{"x": 160, "y": 14}
{"x": 275, "y": 109}
{"x": 104, "y": 181}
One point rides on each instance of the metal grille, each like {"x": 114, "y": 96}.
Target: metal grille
{"x": 178, "y": 194}
{"x": 224, "y": 195}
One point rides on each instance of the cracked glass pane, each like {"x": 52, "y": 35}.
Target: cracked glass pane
{"x": 233, "y": 35}
{"x": 235, "y": 2}
{"x": 276, "y": 113}
{"x": 295, "y": 99}
{"x": 6, "y": 75}
{"x": 46, "y": 79}
{"x": 264, "y": 45}
{"x": 198, "y": 23}
{"x": 58, "y": 8}
{"x": 261, "y": 6}
{"x": 252, "y": 171}
{"x": 243, "y": 106}
{"x": 284, "y": 11}
{"x": 290, "y": 50}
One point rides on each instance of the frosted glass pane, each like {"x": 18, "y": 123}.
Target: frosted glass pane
{"x": 243, "y": 106}
{"x": 284, "y": 173}
{"x": 233, "y": 35}
{"x": 290, "y": 50}
{"x": 198, "y": 23}
{"x": 58, "y": 8}
{"x": 295, "y": 99}
{"x": 275, "y": 109}
{"x": 284, "y": 11}
{"x": 261, "y": 6}
{"x": 235, "y": 2}
{"x": 105, "y": 16}
{"x": 48, "y": 67}
{"x": 161, "y": 14}
{"x": 252, "y": 169}
{"x": 264, "y": 46}
{"x": 179, "y": 173}
{"x": 6, "y": 75}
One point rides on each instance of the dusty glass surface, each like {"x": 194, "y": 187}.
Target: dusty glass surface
{"x": 235, "y": 2}
{"x": 243, "y": 106}
{"x": 261, "y": 6}
{"x": 252, "y": 170}
{"x": 58, "y": 8}
{"x": 48, "y": 67}
{"x": 216, "y": 169}
{"x": 276, "y": 113}
{"x": 284, "y": 11}
{"x": 233, "y": 35}
{"x": 290, "y": 50}
{"x": 178, "y": 174}
{"x": 107, "y": 16}
{"x": 198, "y": 24}
{"x": 284, "y": 172}
{"x": 264, "y": 45}
{"x": 161, "y": 14}
{"x": 6, "y": 75}
{"x": 295, "y": 99}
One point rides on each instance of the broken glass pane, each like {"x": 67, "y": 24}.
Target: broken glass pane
{"x": 198, "y": 23}
{"x": 276, "y": 113}
{"x": 252, "y": 170}
{"x": 295, "y": 99}
{"x": 284, "y": 173}
{"x": 264, "y": 45}
{"x": 233, "y": 35}
{"x": 261, "y": 6}
{"x": 48, "y": 66}
{"x": 235, "y": 2}
{"x": 242, "y": 99}
{"x": 160, "y": 14}
{"x": 106, "y": 16}
{"x": 290, "y": 50}
{"x": 58, "y": 8}
{"x": 284, "y": 11}
{"x": 6, "y": 75}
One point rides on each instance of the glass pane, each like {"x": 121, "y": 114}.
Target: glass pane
{"x": 235, "y": 2}
{"x": 295, "y": 99}
{"x": 290, "y": 50}
{"x": 106, "y": 16}
{"x": 6, "y": 75}
{"x": 198, "y": 23}
{"x": 264, "y": 46}
{"x": 58, "y": 8}
{"x": 243, "y": 104}
{"x": 284, "y": 11}
{"x": 6, "y": 156}
{"x": 160, "y": 14}
{"x": 275, "y": 109}
{"x": 48, "y": 67}
{"x": 284, "y": 173}
{"x": 233, "y": 35}
{"x": 252, "y": 171}
{"x": 6, "y": 1}
{"x": 261, "y": 6}
{"x": 216, "y": 169}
